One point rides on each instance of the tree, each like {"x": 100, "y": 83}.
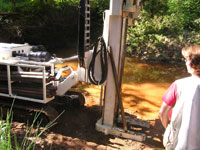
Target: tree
{"x": 186, "y": 13}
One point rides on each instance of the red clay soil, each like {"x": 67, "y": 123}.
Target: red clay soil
{"x": 75, "y": 129}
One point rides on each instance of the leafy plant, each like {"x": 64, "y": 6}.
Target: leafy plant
{"x": 185, "y": 12}
{"x": 33, "y": 131}
{"x": 163, "y": 28}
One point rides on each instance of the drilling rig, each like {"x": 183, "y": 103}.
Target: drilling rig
{"x": 29, "y": 74}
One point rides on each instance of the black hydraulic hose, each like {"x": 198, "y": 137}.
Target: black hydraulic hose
{"x": 99, "y": 49}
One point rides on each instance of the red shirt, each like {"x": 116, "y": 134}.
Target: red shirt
{"x": 170, "y": 96}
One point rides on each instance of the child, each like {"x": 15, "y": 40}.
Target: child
{"x": 183, "y": 128}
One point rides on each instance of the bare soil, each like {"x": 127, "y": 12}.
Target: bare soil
{"x": 75, "y": 129}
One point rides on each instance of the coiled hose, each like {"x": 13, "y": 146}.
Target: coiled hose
{"x": 99, "y": 49}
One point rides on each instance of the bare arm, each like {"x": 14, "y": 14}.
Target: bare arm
{"x": 164, "y": 114}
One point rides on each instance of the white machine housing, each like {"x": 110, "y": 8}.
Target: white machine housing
{"x": 30, "y": 80}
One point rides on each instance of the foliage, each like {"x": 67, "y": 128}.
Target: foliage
{"x": 52, "y": 23}
{"x": 185, "y": 12}
{"x": 8, "y": 5}
{"x": 5, "y": 133}
{"x": 100, "y": 5}
{"x": 155, "y": 7}
{"x": 33, "y": 132}
{"x": 5, "y": 7}
{"x": 163, "y": 28}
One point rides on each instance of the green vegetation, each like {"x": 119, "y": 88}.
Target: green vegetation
{"x": 33, "y": 132}
{"x": 161, "y": 30}
{"x": 53, "y": 24}
{"x": 10, "y": 5}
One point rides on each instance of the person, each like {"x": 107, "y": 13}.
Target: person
{"x": 183, "y": 99}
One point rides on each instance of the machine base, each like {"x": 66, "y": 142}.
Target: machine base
{"x": 26, "y": 110}
{"x": 106, "y": 129}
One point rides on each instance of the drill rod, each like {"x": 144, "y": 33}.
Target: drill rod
{"x": 117, "y": 88}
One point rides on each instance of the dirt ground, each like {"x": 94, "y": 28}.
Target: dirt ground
{"x": 75, "y": 129}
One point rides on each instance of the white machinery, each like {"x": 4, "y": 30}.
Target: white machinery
{"x": 120, "y": 13}
{"x": 30, "y": 74}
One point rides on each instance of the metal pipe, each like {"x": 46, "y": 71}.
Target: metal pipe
{"x": 70, "y": 58}
{"x": 117, "y": 88}
{"x": 9, "y": 80}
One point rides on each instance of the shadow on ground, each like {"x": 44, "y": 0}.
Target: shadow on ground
{"x": 76, "y": 130}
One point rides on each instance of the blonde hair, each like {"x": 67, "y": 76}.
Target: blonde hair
{"x": 192, "y": 54}
{"x": 190, "y": 50}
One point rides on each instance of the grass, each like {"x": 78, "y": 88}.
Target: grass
{"x": 33, "y": 132}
